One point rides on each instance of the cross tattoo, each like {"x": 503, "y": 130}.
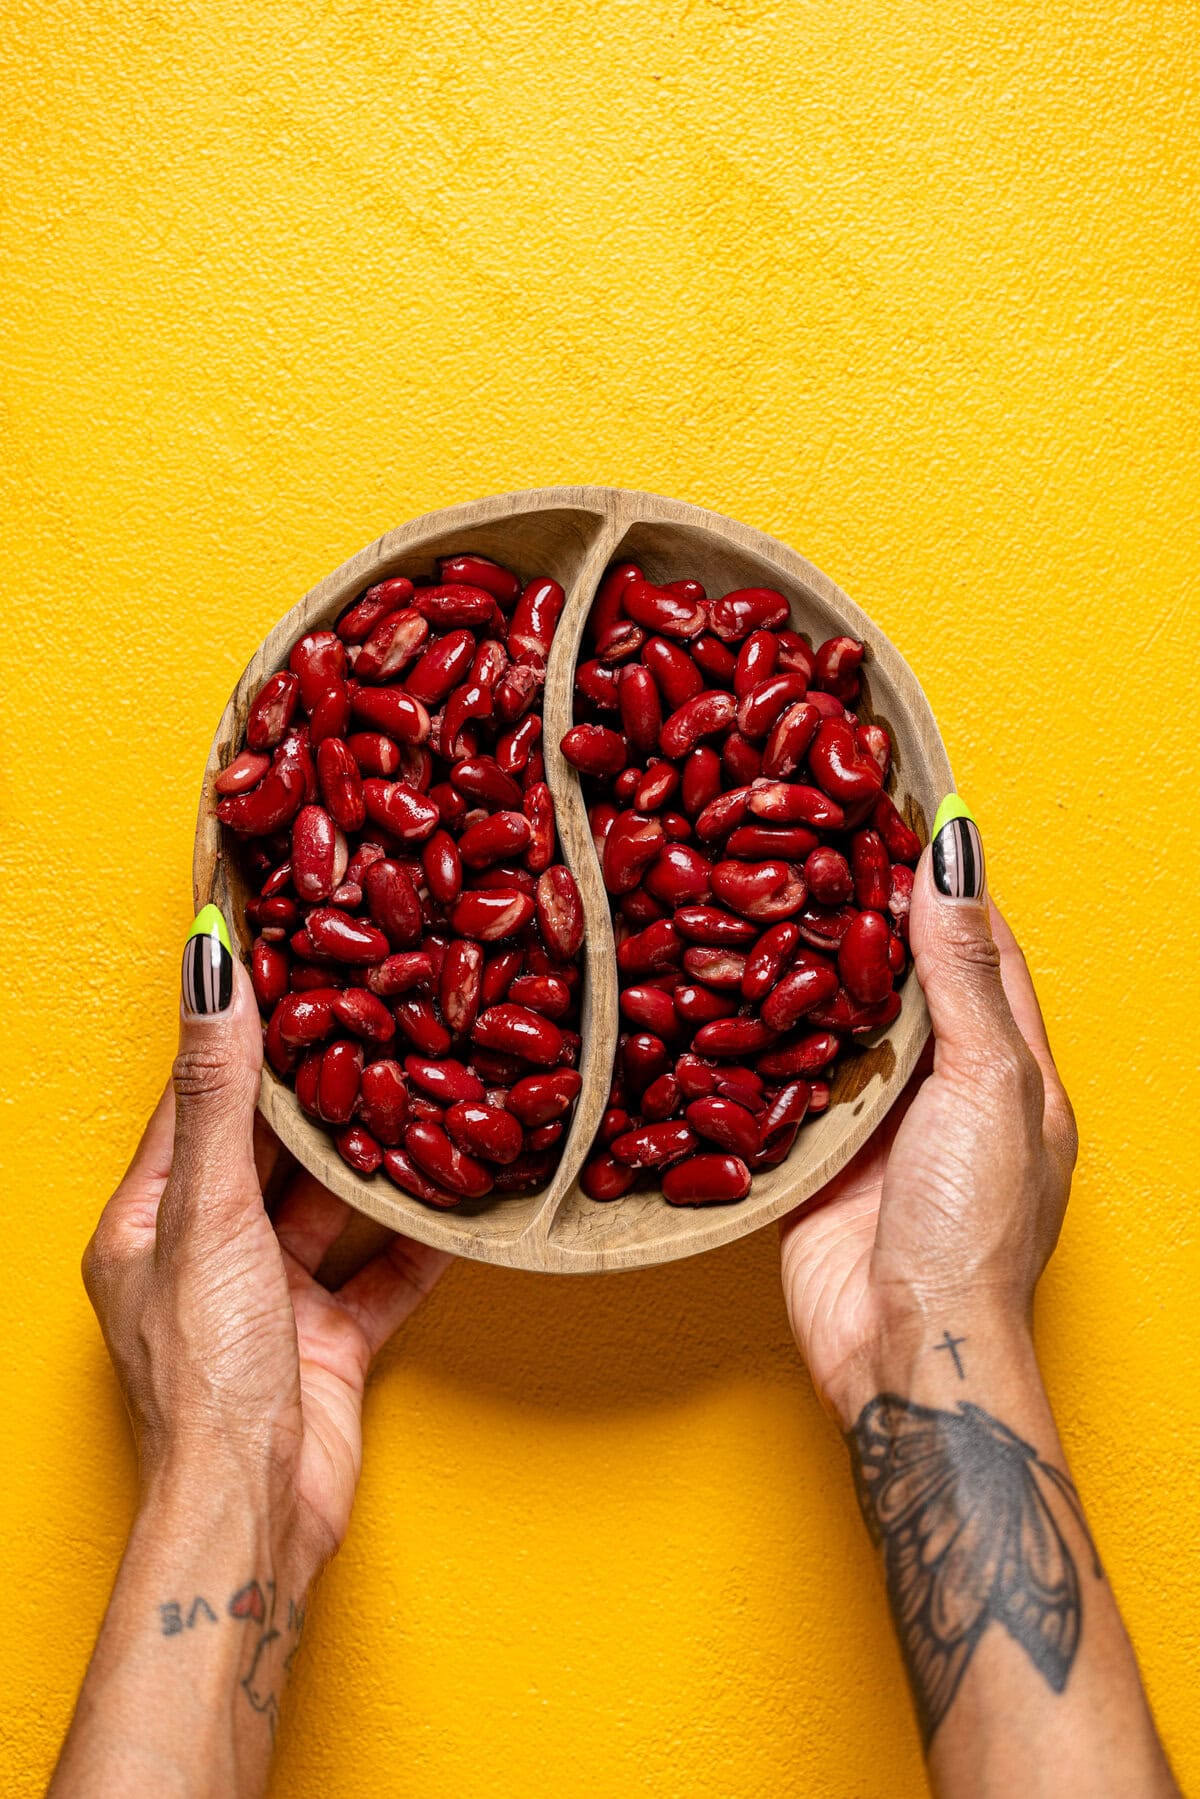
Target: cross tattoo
{"x": 952, "y": 1343}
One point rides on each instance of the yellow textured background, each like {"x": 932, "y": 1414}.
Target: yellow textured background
{"x": 912, "y": 286}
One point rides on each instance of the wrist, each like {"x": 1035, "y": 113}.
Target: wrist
{"x": 936, "y": 1352}
{"x": 198, "y": 1509}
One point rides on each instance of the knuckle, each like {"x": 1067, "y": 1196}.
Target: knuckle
{"x": 204, "y": 1073}
{"x": 971, "y": 950}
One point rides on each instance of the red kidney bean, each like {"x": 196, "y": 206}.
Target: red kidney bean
{"x": 771, "y": 956}
{"x": 872, "y": 871}
{"x": 787, "y": 802}
{"x": 400, "y": 974}
{"x": 595, "y": 750}
{"x": 364, "y": 1014}
{"x": 383, "y": 1101}
{"x": 531, "y": 629}
{"x": 540, "y": 1098}
{"x": 723, "y": 814}
{"x": 651, "y": 950}
{"x": 828, "y": 875}
{"x": 840, "y": 765}
{"x": 823, "y": 927}
{"x": 471, "y": 700}
{"x": 516, "y": 691}
{"x": 701, "y": 780}
{"x": 245, "y": 771}
{"x": 733, "y": 1037}
{"x": 805, "y": 1055}
{"x": 704, "y": 716}
{"x": 455, "y": 605}
{"x": 346, "y": 939}
{"x": 760, "y": 708}
{"x": 655, "y": 787}
{"x": 560, "y": 912}
{"x": 499, "y": 972}
{"x": 491, "y": 660}
{"x": 338, "y": 1081}
{"x": 641, "y": 709}
{"x": 308, "y": 1073}
{"x": 661, "y": 1100}
{"x": 708, "y": 924}
{"x": 393, "y": 904}
{"x": 399, "y": 715}
{"x": 341, "y": 784}
{"x": 742, "y": 1086}
{"x": 679, "y": 875}
{"x": 274, "y": 802}
{"x": 626, "y": 784}
{"x": 269, "y": 968}
{"x": 863, "y": 959}
{"x": 756, "y": 662}
{"x": 900, "y": 899}
{"x": 903, "y": 844}
{"x": 696, "y": 1076}
{"x": 416, "y": 1017}
{"x": 643, "y": 1058}
{"x": 516, "y": 1031}
{"x": 481, "y": 779}
{"x": 446, "y": 1164}
{"x": 715, "y": 967}
{"x": 358, "y": 1149}
{"x": 543, "y": 993}
{"x": 357, "y": 623}
{"x": 666, "y": 614}
{"x": 809, "y": 982}
{"x": 745, "y": 610}
{"x": 877, "y": 744}
{"x": 764, "y": 891}
{"x": 836, "y": 667}
{"x": 630, "y": 846}
{"x": 374, "y": 753}
{"x": 620, "y": 641}
{"x": 470, "y": 570}
{"x": 599, "y": 684}
{"x": 604, "y": 1179}
{"x": 706, "y": 1180}
{"x": 319, "y": 853}
{"x": 488, "y": 916}
{"x": 485, "y": 1131}
{"x": 675, "y": 674}
{"x": 307, "y": 977}
{"x": 789, "y": 740}
{"x": 442, "y": 865}
{"x": 650, "y": 1009}
{"x": 653, "y": 1145}
{"x": 330, "y": 716}
{"x": 699, "y": 1005}
{"x": 348, "y": 897}
{"x": 445, "y": 1081}
{"x": 393, "y": 643}
{"x": 741, "y": 760}
{"x": 725, "y": 1122}
{"x": 513, "y": 750}
{"x": 495, "y": 837}
{"x": 272, "y": 711}
{"x": 400, "y": 1168}
{"x": 717, "y": 662}
{"x": 538, "y": 810}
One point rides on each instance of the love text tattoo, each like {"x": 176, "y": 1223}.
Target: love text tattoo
{"x": 960, "y": 1508}
{"x": 272, "y": 1641}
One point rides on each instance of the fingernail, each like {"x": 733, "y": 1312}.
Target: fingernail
{"x": 207, "y": 966}
{"x": 958, "y": 868}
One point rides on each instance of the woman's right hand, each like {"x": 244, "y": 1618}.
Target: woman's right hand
{"x": 956, "y": 1202}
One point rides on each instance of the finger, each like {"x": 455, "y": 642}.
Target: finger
{"x": 955, "y": 955}
{"x": 131, "y": 1213}
{"x": 391, "y": 1287}
{"x": 215, "y": 1076}
{"x": 1022, "y": 997}
{"x": 309, "y": 1220}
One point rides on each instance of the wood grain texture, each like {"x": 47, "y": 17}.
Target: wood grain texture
{"x": 572, "y": 533}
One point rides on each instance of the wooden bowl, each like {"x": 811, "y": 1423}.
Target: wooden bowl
{"x": 573, "y": 533}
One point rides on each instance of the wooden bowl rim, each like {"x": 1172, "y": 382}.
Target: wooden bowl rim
{"x": 616, "y": 512}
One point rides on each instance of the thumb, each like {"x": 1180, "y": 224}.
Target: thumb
{"x": 955, "y": 955}
{"x": 218, "y": 1067}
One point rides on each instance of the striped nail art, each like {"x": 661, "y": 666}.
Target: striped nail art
{"x": 207, "y": 966}
{"x": 958, "y": 867}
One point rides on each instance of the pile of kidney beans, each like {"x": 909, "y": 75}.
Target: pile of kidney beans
{"x": 417, "y": 955}
{"x": 759, "y": 876}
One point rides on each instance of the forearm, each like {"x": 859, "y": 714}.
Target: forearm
{"x": 1022, "y": 1674}
{"x": 183, "y": 1692}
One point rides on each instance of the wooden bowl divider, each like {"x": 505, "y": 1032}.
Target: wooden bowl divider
{"x": 573, "y": 533}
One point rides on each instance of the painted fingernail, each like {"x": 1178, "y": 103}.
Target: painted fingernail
{"x": 207, "y": 966}
{"x": 958, "y": 868}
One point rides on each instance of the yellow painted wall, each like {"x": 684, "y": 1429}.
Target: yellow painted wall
{"x": 911, "y": 285}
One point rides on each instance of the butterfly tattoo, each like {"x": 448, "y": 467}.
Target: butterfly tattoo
{"x": 960, "y": 1508}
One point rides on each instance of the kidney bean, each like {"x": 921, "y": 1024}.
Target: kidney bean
{"x": 640, "y": 707}
{"x": 716, "y": 661}
{"x": 872, "y": 871}
{"x": 543, "y": 993}
{"x": 809, "y": 982}
{"x": 358, "y": 1149}
{"x": 679, "y": 875}
{"x": 412, "y": 817}
{"x": 863, "y": 959}
{"x": 274, "y": 802}
{"x": 434, "y": 1153}
{"x": 631, "y": 845}
{"x": 743, "y": 1087}
{"x": 445, "y": 1081}
{"x": 515, "y": 1030}
{"x": 649, "y": 951}
{"x": 399, "y": 974}
{"x": 271, "y": 711}
{"x": 696, "y": 1076}
{"x": 757, "y": 661}
{"x": 499, "y": 973}
{"x": 733, "y": 1037}
{"x": 539, "y": 1098}
{"x": 723, "y": 814}
{"x": 531, "y": 630}
{"x": 708, "y": 924}
{"x": 764, "y": 891}
{"x": 900, "y": 899}
{"x": 649, "y": 1009}
{"x": 706, "y": 1180}
{"x": 516, "y": 691}
{"x": 456, "y": 605}
{"x": 604, "y": 1179}
{"x": 725, "y": 1122}
{"x": 745, "y": 610}
{"x": 823, "y": 927}
{"x": 364, "y": 1014}
{"x": 538, "y": 810}
{"x": 666, "y": 614}
{"x": 374, "y": 753}
{"x": 876, "y": 743}
{"x": 399, "y": 715}
{"x": 594, "y": 750}
{"x": 513, "y": 750}
{"x": 741, "y": 760}
{"x": 319, "y": 853}
{"x": 269, "y": 967}
{"x": 308, "y": 1073}
{"x": 482, "y": 779}
{"x": 346, "y": 939}
{"x": 840, "y": 765}
{"x": 488, "y": 915}
{"x": 675, "y": 674}
{"x": 699, "y": 1005}
{"x": 835, "y": 668}
{"x": 653, "y": 1145}
{"x": 661, "y": 1100}
{"x": 340, "y": 783}
{"x": 393, "y": 904}
{"x": 903, "y": 844}
{"x": 393, "y": 643}
{"x": 771, "y": 956}
{"x": 705, "y": 715}
{"x": 701, "y": 780}
{"x": 498, "y": 835}
{"x": 620, "y": 641}
{"x": 789, "y": 740}
{"x": 626, "y": 785}
{"x": 416, "y": 1017}
{"x": 803, "y": 1056}
{"x": 310, "y": 977}
{"x": 489, "y": 664}
{"x": 401, "y": 1169}
{"x": 760, "y": 709}
{"x": 471, "y": 570}
{"x": 643, "y": 1058}
{"x": 599, "y": 683}
{"x": 338, "y": 1081}
{"x": 655, "y": 787}
{"x": 442, "y": 865}
{"x": 714, "y": 966}
{"x": 485, "y": 1131}
{"x": 828, "y": 875}
{"x": 788, "y": 802}
{"x": 384, "y": 1101}
{"x": 245, "y": 771}
{"x": 360, "y": 619}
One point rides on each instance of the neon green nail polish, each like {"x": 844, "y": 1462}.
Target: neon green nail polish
{"x": 210, "y": 919}
{"x": 951, "y": 807}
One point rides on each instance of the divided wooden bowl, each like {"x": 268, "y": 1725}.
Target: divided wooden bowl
{"x": 573, "y": 533}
